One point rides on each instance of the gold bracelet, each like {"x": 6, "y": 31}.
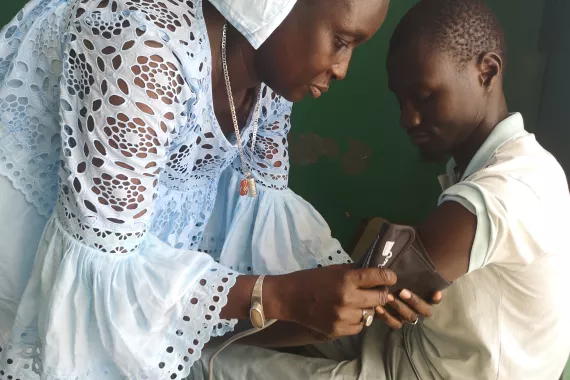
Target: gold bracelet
{"x": 256, "y": 314}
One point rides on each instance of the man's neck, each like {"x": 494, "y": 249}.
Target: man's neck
{"x": 464, "y": 154}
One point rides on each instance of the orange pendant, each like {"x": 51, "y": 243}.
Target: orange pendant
{"x": 243, "y": 187}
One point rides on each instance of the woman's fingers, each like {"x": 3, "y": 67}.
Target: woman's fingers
{"x": 354, "y": 330}
{"x": 369, "y": 298}
{"x": 354, "y": 316}
{"x": 372, "y": 277}
{"x": 367, "y": 317}
{"x": 353, "y": 321}
{"x": 334, "y": 298}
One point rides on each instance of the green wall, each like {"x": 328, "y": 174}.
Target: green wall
{"x": 10, "y": 9}
{"x": 350, "y": 159}
{"x": 554, "y": 131}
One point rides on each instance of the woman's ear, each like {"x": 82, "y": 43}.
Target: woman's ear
{"x": 490, "y": 70}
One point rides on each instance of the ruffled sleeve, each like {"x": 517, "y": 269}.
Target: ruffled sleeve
{"x": 277, "y": 231}
{"x": 106, "y": 298}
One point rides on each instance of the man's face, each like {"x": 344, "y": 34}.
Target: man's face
{"x": 441, "y": 103}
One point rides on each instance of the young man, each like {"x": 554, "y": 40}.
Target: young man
{"x": 498, "y": 232}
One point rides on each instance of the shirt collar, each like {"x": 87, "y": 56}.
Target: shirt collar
{"x": 506, "y": 130}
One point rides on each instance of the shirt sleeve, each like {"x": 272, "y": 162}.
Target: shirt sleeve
{"x": 123, "y": 103}
{"x": 509, "y": 219}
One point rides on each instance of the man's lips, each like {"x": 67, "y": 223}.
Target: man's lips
{"x": 419, "y": 138}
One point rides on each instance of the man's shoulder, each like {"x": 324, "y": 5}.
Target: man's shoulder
{"x": 528, "y": 184}
{"x": 523, "y": 192}
{"x": 523, "y": 162}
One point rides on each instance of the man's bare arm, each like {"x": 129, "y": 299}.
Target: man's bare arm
{"x": 447, "y": 235}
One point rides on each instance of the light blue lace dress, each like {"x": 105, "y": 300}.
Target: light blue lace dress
{"x": 107, "y": 129}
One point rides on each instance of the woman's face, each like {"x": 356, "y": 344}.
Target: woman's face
{"x": 314, "y": 45}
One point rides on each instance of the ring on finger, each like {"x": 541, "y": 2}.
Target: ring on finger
{"x": 367, "y": 318}
{"x": 415, "y": 322}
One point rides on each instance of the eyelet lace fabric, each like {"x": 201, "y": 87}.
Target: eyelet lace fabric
{"x": 107, "y": 126}
{"x": 30, "y": 148}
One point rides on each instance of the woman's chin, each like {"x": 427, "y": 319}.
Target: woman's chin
{"x": 295, "y": 95}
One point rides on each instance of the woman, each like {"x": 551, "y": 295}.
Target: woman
{"x": 157, "y": 119}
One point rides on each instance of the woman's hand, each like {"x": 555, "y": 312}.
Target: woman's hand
{"x": 406, "y": 307}
{"x": 329, "y": 300}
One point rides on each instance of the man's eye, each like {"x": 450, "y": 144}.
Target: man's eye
{"x": 424, "y": 96}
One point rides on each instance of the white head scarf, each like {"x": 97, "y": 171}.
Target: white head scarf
{"x": 255, "y": 19}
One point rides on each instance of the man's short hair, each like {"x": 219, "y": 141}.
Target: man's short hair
{"x": 464, "y": 29}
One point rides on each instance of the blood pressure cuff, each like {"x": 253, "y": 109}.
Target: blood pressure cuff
{"x": 399, "y": 249}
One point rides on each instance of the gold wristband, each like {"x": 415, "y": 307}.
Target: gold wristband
{"x": 256, "y": 314}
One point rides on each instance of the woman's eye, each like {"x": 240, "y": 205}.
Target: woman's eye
{"x": 340, "y": 43}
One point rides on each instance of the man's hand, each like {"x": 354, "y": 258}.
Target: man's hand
{"x": 406, "y": 307}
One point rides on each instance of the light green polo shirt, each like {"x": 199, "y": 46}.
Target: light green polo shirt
{"x": 506, "y": 318}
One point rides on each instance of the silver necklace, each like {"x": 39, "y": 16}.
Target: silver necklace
{"x": 247, "y": 184}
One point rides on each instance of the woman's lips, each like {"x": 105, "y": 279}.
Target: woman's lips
{"x": 317, "y": 91}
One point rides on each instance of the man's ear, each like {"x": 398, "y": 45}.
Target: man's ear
{"x": 490, "y": 70}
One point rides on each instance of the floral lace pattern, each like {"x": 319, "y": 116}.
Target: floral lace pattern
{"x": 114, "y": 52}
{"x": 107, "y": 123}
{"x": 30, "y": 71}
{"x": 116, "y": 133}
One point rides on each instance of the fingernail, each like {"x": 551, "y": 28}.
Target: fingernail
{"x": 379, "y": 310}
{"x": 405, "y": 294}
{"x": 390, "y": 298}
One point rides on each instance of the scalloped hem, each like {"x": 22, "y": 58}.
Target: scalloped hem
{"x": 90, "y": 315}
